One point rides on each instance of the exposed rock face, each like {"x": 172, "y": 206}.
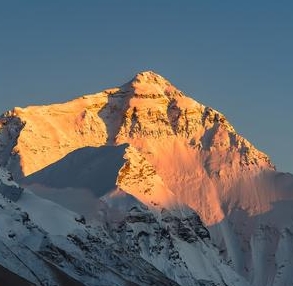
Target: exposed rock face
{"x": 8, "y": 188}
{"x": 179, "y": 153}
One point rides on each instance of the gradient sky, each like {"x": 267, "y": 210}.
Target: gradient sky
{"x": 236, "y": 56}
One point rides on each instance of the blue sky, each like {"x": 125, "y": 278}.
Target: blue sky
{"x": 235, "y": 56}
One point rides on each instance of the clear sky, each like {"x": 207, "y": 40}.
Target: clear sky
{"x": 236, "y": 56}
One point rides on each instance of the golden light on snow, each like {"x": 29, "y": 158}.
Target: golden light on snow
{"x": 192, "y": 151}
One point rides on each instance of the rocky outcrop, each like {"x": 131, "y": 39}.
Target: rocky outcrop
{"x": 8, "y": 188}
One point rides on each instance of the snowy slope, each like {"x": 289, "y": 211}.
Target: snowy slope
{"x": 45, "y": 244}
{"x": 167, "y": 151}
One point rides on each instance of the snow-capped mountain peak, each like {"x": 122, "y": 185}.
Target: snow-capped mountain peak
{"x": 154, "y": 152}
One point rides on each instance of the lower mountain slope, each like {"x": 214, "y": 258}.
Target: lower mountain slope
{"x": 43, "y": 243}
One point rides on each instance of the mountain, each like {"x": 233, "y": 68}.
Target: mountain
{"x": 147, "y": 164}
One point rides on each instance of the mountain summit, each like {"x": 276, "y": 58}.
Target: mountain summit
{"x": 148, "y": 83}
{"x": 147, "y": 143}
{"x": 147, "y": 107}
